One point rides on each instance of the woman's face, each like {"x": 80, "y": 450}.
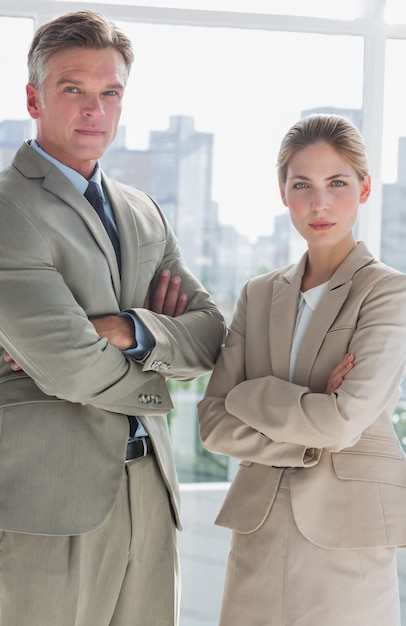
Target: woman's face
{"x": 323, "y": 191}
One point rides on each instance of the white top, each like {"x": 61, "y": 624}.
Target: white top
{"x": 308, "y": 303}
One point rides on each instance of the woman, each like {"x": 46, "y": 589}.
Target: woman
{"x": 318, "y": 505}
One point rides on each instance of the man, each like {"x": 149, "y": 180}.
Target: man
{"x": 95, "y": 313}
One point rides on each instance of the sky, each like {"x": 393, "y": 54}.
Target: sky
{"x": 246, "y": 88}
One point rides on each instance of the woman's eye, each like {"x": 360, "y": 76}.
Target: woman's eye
{"x": 338, "y": 183}
{"x": 300, "y": 186}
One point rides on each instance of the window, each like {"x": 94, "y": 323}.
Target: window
{"x": 16, "y": 35}
{"x": 214, "y": 87}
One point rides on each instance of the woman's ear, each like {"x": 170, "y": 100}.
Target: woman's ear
{"x": 365, "y": 189}
{"x": 282, "y": 192}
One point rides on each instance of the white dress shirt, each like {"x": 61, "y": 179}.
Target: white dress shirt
{"x": 308, "y": 302}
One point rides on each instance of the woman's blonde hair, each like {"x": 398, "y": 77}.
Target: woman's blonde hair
{"x": 80, "y": 29}
{"x": 335, "y": 130}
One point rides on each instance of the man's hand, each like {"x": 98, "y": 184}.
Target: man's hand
{"x": 335, "y": 380}
{"x": 119, "y": 331}
{"x": 13, "y": 365}
{"x": 166, "y": 297}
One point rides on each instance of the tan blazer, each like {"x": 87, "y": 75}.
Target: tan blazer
{"x": 63, "y": 424}
{"x": 348, "y": 485}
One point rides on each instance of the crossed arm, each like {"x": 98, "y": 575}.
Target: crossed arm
{"x": 166, "y": 298}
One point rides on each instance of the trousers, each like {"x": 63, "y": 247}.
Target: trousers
{"x": 125, "y": 573}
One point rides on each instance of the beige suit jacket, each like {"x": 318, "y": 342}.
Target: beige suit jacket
{"x": 348, "y": 482}
{"x": 63, "y": 424}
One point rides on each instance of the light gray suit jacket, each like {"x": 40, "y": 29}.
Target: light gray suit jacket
{"x": 348, "y": 485}
{"x": 63, "y": 424}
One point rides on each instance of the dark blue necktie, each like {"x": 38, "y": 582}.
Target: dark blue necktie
{"x": 92, "y": 195}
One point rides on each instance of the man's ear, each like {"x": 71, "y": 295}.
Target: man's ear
{"x": 365, "y": 189}
{"x": 33, "y": 101}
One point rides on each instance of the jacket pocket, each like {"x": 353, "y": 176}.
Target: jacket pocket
{"x": 152, "y": 252}
{"x": 370, "y": 467}
{"x": 249, "y": 498}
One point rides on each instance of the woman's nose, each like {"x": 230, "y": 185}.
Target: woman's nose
{"x": 319, "y": 200}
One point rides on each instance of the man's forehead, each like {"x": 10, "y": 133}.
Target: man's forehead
{"x": 83, "y": 64}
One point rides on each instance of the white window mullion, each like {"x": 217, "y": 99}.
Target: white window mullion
{"x": 369, "y": 227}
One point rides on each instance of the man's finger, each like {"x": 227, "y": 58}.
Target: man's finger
{"x": 172, "y": 296}
{"x": 181, "y": 304}
{"x": 157, "y": 299}
{"x": 13, "y": 365}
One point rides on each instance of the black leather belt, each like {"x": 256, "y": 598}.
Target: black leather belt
{"x": 137, "y": 448}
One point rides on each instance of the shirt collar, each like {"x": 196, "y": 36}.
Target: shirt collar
{"x": 313, "y": 296}
{"x": 77, "y": 180}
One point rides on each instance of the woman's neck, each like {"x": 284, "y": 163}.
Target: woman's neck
{"x": 322, "y": 263}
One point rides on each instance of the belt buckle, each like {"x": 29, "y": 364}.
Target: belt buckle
{"x": 144, "y": 446}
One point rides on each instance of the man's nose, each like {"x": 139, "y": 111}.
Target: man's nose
{"x": 93, "y": 106}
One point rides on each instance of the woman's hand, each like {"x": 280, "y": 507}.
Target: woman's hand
{"x": 335, "y": 380}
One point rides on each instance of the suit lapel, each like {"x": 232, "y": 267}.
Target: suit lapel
{"x": 60, "y": 186}
{"x": 124, "y": 285}
{"x": 322, "y": 319}
{"x": 327, "y": 311}
{"x": 284, "y": 305}
{"x": 129, "y": 243}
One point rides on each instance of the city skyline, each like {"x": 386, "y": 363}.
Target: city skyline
{"x": 241, "y": 93}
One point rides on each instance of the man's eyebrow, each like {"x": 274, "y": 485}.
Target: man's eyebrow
{"x": 71, "y": 81}
{"x": 79, "y": 83}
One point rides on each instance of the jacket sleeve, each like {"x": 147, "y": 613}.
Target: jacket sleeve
{"x": 286, "y": 412}
{"x": 228, "y": 431}
{"x": 186, "y": 346}
{"x": 47, "y": 331}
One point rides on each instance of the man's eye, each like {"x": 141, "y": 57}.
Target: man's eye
{"x": 71, "y": 89}
{"x": 111, "y": 92}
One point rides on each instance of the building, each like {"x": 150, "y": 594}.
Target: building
{"x": 12, "y": 135}
{"x": 182, "y": 166}
{"x": 393, "y": 229}
{"x": 176, "y": 170}
{"x": 354, "y": 115}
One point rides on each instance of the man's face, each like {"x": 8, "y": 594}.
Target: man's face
{"x": 79, "y": 107}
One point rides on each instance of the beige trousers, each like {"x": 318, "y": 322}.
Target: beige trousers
{"x": 275, "y": 577}
{"x": 125, "y": 573}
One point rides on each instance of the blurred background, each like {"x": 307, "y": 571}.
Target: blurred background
{"x": 214, "y": 87}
